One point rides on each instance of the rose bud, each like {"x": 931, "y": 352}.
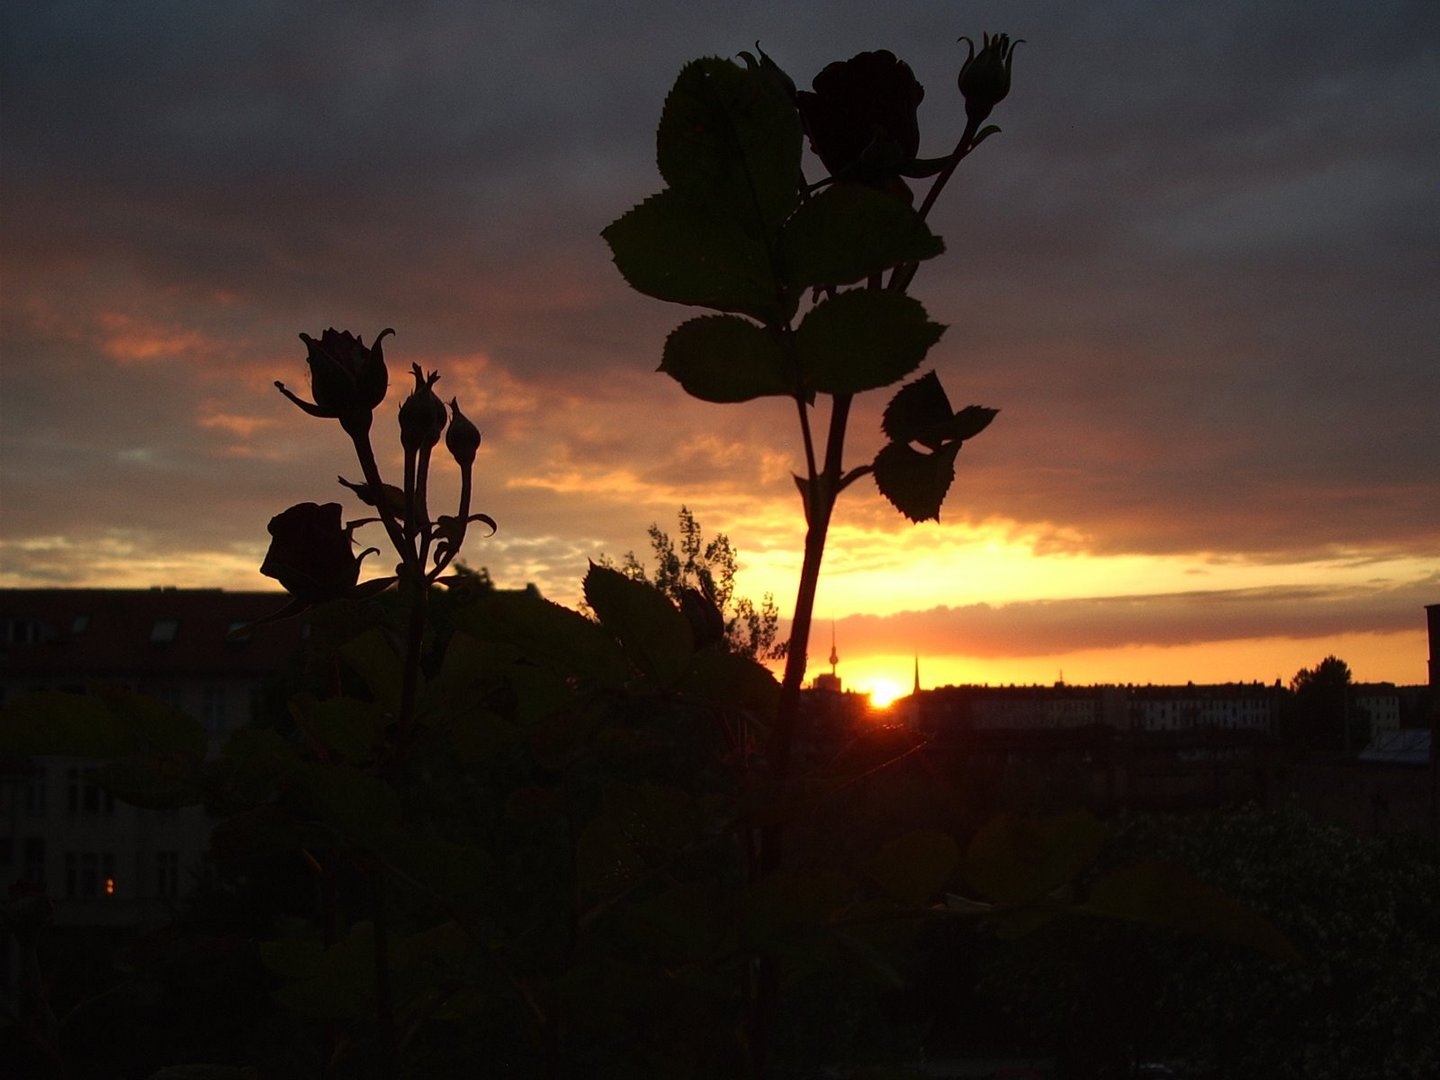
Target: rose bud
{"x": 463, "y": 438}
{"x": 985, "y": 76}
{"x": 770, "y": 70}
{"x": 861, "y": 119}
{"x": 311, "y": 553}
{"x": 422, "y": 416}
{"x": 347, "y": 379}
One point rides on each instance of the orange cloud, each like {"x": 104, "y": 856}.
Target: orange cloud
{"x": 136, "y": 341}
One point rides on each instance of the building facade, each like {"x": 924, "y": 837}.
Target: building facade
{"x": 104, "y": 862}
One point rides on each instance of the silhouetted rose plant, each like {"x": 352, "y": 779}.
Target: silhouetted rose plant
{"x": 552, "y": 843}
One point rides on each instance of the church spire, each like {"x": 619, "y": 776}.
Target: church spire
{"x": 917, "y": 673}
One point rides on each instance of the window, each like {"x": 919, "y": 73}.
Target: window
{"x": 164, "y": 631}
{"x": 89, "y": 874}
{"x": 35, "y": 792}
{"x": 22, "y": 631}
{"x": 167, "y": 873}
{"x": 33, "y": 866}
{"x": 213, "y": 705}
{"x": 80, "y": 625}
{"x": 84, "y": 795}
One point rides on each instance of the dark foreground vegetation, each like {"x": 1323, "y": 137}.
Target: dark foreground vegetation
{"x": 485, "y": 835}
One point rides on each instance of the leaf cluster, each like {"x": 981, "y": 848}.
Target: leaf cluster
{"x": 739, "y": 231}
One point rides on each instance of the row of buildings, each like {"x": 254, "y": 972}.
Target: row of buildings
{"x": 1256, "y": 708}
{"x": 108, "y": 862}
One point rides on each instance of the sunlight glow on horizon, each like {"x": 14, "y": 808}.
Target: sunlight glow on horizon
{"x": 1397, "y": 658}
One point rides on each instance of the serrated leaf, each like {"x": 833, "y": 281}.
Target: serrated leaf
{"x": 339, "y": 982}
{"x": 360, "y": 806}
{"x": 849, "y": 232}
{"x": 371, "y": 656}
{"x": 348, "y": 727}
{"x": 1167, "y": 896}
{"x": 605, "y": 860}
{"x": 777, "y": 910}
{"x": 679, "y": 250}
{"x": 478, "y": 734}
{"x": 448, "y": 868}
{"x": 103, "y": 725}
{"x": 651, "y": 630}
{"x": 542, "y": 632}
{"x": 920, "y": 412}
{"x": 681, "y": 925}
{"x": 863, "y": 339}
{"x": 730, "y": 138}
{"x": 729, "y": 678}
{"x": 726, "y": 359}
{"x": 967, "y": 423}
{"x": 1015, "y": 860}
{"x": 150, "y": 724}
{"x": 154, "y": 780}
{"x": 68, "y": 725}
{"x": 916, "y": 409}
{"x": 915, "y": 482}
{"x": 262, "y": 832}
{"x": 913, "y": 868}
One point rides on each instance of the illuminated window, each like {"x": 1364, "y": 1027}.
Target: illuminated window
{"x": 89, "y": 874}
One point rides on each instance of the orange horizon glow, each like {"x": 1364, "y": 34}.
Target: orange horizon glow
{"x": 1373, "y": 658}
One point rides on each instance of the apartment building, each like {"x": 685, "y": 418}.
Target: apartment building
{"x": 101, "y": 861}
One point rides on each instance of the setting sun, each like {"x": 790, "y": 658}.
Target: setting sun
{"x": 883, "y": 692}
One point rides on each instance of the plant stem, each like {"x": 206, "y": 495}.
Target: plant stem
{"x": 371, "y": 471}
{"x": 384, "y": 1001}
{"x": 819, "y": 505}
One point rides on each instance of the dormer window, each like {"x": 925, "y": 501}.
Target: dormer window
{"x": 163, "y": 631}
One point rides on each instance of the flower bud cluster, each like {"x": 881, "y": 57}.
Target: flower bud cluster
{"x": 311, "y": 549}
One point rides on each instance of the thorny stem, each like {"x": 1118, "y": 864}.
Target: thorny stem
{"x": 384, "y": 998}
{"x": 819, "y": 505}
{"x": 903, "y": 275}
{"x": 371, "y": 471}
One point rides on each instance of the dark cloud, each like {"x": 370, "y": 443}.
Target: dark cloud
{"x": 1195, "y": 271}
{"x": 1054, "y": 627}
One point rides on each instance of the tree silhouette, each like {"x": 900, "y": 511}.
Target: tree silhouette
{"x": 695, "y": 570}
{"x": 1321, "y": 700}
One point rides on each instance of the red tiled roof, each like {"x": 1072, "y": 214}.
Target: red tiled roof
{"x": 97, "y": 632}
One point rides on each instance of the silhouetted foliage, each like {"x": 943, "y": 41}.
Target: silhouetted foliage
{"x": 1321, "y": 703}
{"x": 488, "y": 829}
{"x": 706, "y": 569}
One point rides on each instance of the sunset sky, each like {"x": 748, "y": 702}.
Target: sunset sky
{"x": 1197, "y": 273}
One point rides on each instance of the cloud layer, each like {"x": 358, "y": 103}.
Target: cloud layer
{"x": 1195, "y": 273}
